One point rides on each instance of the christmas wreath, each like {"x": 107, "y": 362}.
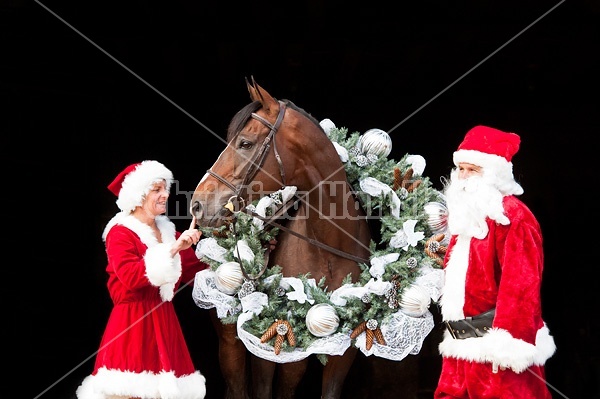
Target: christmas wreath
{"x": 385, "y": 313}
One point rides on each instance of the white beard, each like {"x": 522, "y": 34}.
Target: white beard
{"x": 469, "y": 202}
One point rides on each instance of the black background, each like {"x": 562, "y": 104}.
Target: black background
{"x": 88, "y": 87}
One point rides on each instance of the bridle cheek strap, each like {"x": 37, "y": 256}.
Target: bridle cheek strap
{"x": 270, "y": 137}
{"x": 258, "y": 160}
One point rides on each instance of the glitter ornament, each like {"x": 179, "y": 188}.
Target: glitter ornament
{"x": 247, "y": 289}
{"x": 372, "y": 324}
{"x": 411, "y": 262}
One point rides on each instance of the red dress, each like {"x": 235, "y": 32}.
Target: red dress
{"x": 143, "y": 352}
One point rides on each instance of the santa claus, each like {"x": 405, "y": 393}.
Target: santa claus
{"x": 493, "y": 264}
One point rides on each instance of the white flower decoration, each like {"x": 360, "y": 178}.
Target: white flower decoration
{"x": 327, "y": 125}
{"x": 417, "y": 163}
{"x": 243, "y": 251}
{"x": 271, "y": 202}
{"x": 378, "y": 264}
{"x": 407, "y": 236}
{"x": 399, "y": 239}
{"x": 338, "y": 297}
{"x": 342, "y": 152}
{"x": 261, "y": 209}
{"x": 287, "y": 193}
{"x": 374, "y": 187}
{"x": 377, "y": 286}
{"x": 298, "y": 294}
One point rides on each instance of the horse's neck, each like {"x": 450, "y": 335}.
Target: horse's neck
{"x": 300, "y": 257}
{"x": 333, "y": 219}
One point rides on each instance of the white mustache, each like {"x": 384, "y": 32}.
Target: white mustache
{"x": 469, "y": 185}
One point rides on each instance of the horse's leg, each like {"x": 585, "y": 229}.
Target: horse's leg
{"x": 376, "y": 377}
{"x": 232, "y": 359}
{"x": 335, "y": 372}
{"x": 289, "y": 376}
{"x": 262, "y": 377}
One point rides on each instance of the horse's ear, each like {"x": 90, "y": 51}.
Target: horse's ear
{"x": 251, "y": 89}
{"x": 257, "y": 93}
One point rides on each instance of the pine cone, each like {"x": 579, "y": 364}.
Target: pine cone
{"x": 397, "y": 179}
{"x": 220, "y": 234}
{"x": 290, "y": 334}
{"x": 413, "y": 186}
{"x": 442, "y": 249}
{"x": 358, "y": 330}
{"x": 369, "y": 339}
{"x": 270, "y": 333}
{"x": 379, "y": 336}
{"x": 405, "y": 180}
{"x": 278, "y": 342}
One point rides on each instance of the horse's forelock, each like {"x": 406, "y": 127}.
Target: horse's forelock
{"x": 240, "y": 119}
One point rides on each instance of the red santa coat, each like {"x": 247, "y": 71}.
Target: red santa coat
{"x": 143, "y": 352}
{"x": 502, "y": 270}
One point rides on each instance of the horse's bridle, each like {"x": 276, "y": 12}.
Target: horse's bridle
{"x": 236, "y": 202}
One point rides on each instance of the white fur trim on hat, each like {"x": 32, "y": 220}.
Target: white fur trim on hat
{"x": 482, "y": 159}
{"x": 139, "y": 182}
{"x": 496, "y": 164}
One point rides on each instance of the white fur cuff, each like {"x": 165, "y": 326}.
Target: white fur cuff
{"x": 161, "y": 269}
{"x": 500, "y": 348}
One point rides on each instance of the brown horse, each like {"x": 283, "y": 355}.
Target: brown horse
{"x": 272, "y": 144}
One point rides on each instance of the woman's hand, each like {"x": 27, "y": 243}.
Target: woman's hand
{"x": 187, "y": 238}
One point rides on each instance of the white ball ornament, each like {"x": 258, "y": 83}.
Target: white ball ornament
{"x": 376, "y": 142}
{"x": 229, "y": 277}
{"x": 322, "y": 320}
{"x": 415, "y": 301}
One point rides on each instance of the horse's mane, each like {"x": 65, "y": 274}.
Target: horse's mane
{"x": 240, "y": 119}
{"x": 303, "y": 112}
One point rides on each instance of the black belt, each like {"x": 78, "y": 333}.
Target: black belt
{"x": 471, "y": 327}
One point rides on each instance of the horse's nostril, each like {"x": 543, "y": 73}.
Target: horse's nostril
{"x": 196, "y": 209}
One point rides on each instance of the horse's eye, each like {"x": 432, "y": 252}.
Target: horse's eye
{"x": 246, "y": 145}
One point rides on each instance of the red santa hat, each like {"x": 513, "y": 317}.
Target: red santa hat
{"x": 491, "y": 149}
{"x": 135, "y": 181}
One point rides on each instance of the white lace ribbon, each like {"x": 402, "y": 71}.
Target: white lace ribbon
{"x": 404, "y": 335}
{"x": 211, "y": 249}
{"x": 335, "y": 344}
{"x": 206, "y": 295}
